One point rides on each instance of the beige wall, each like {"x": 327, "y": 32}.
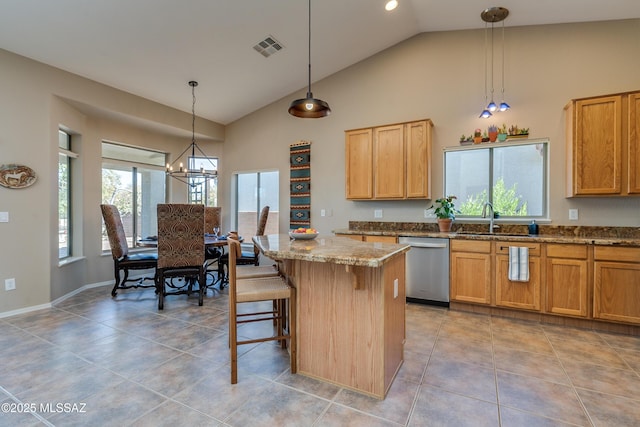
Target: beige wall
{"x": 438, "y": 76}
{"x": 37, "y": 100}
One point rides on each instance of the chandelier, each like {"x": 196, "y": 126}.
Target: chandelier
{"x": 199, "y": 168}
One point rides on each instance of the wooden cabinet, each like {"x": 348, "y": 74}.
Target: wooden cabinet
{"x": 602, "y": 153}
{"x": 616, "y": 291}
{"x": 359, "y": 164}
{"x": 470, "y": 268}
{"x": 390, "y": 162}
{"x": 516, "y": 294}
{"x": 567, "y": 276}
{"x": 380, "y": 239}
{"x": 370, "y": 238}
{"x": 633, "y": 142}
{"x": 358, "y": 237}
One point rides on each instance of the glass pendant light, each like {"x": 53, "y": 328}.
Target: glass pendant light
{"x": 309, "y": 107}
{"x": 503, "y": 105}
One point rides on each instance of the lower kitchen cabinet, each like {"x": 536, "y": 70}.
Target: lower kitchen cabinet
{"x": 567, "y": 278}
{"x": 380, "y": 239}
{"x": 616, "y": 284}
{"x": 470, "y": 267}
{"x": 522, "y": 295}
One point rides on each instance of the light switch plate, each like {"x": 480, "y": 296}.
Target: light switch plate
{"x": 4, "y": 216}
{"x": 573, "y": 214}
{"x": 395, "y": 288}
{"x": 377, "y": 213}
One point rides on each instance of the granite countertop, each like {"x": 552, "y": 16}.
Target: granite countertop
{"x": 327, "y": 248}
{"x": 606, "y": 236}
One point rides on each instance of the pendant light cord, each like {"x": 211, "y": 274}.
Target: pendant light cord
{"x": 309, "y": 90}
{"x": 502, "y": 60}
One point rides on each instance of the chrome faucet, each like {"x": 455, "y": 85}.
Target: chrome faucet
{"x": 491, "y": 215}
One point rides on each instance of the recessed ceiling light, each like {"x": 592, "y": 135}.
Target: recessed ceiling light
{"x": 391, "y": 4}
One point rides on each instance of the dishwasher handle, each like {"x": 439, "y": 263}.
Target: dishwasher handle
{"x": 427, "y": 245}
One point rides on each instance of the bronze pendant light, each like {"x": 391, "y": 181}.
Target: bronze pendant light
{"x": 309, "y": 107}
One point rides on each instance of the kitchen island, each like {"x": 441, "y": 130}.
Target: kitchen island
{"x": 350, "y": 305}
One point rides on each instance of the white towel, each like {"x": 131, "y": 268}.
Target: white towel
{"x": 518, "y": 264}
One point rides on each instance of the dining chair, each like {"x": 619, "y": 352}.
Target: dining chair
{"x": 257, "y": 290}
{"x": 248, "y": 257}
{"x": 122, "y": 259}
{"x": 180, "y": 250}
{"x": 212, "y": 254}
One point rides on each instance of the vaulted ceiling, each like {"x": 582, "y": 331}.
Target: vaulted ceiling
{"x": 152, "y": 48}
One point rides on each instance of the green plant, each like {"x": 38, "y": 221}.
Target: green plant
{"x": 446, "y": 209}
{"x": 506, "y": 201}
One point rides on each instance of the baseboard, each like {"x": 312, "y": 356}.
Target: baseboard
{"x": 29, "y": 309}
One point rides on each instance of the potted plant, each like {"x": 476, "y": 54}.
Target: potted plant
{"x": 446, "y": 212}
{"x": 477, "y": 136}
{"x": 502, "y": 133}
{"x": 493, "y": 133}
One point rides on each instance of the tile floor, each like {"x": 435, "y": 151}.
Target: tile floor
{"x": 120, "y": 362}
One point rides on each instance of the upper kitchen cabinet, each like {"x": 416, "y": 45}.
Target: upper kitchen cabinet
{"x": 359, "y": 163}
{"x": 389, "y": 162}
{"x": 602, "y": 138}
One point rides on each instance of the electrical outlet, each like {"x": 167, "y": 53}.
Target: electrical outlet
{"x": 395, "y": 288}
{"x": 4, "y": 216}
{"x": 323, "y": 212}
{"x": 377, "y": 213}
{"x": 9, "y": 284}
{"x": 573, "y": 214}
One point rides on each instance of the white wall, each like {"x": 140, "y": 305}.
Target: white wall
{"x": 441, "y": 76}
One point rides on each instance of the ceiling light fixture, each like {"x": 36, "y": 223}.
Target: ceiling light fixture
{"x": 493, "y": 15}
{"x": 391, "y": 4}
{"x": 196, "y": 172}
{"x": 309, "y": 107}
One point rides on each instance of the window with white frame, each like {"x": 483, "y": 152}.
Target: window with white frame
{"x": 65, "y": 213}
{"x": 253, "y": 191}
{"x": 203, "y": 191}
{"x": 510, "y": 176}
{"x": 134, "y": 180}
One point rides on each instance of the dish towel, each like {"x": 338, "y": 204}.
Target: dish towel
{"x": 518, "y": 264}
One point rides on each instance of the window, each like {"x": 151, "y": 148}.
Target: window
{"x": 512, "y": 177}
{"x": 134, "y": 180}
{"x": 203, "y": 191}
{"x": 65, "y": 158}
{"x": 254, "y": 191}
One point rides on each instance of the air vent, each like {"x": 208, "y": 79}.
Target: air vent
{"x": 268, "y": 46}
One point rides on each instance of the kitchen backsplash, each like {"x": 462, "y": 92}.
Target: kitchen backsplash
{"x": 550, "y": 230}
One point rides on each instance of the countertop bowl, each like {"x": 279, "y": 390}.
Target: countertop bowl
{"x": 303, "y": 236}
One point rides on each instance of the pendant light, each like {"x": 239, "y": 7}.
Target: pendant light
{"x": 309, "y": 107}
{"x": 485, "y": 113}
{"x": 493, "y": 15}
{"x": 503, "y": 105}
{"x": 193, "y": 175}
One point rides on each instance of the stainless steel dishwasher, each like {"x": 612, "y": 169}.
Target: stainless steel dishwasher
{"x": 427, "y": 275}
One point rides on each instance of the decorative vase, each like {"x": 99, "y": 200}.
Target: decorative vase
{"x": 493, "y": 136}
{"x": 477, "y": 139}
{"x": 502, "y": 137}
{"x": 445, "y": 224}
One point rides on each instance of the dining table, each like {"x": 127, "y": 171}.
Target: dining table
{"x": 210, "y": 241}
